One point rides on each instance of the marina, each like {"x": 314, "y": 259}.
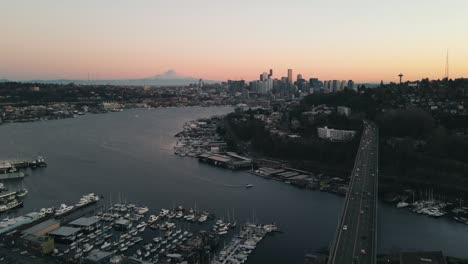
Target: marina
{"x": 125, "y": 231}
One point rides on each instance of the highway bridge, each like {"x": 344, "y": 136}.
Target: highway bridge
{"x": 356, "y": 234}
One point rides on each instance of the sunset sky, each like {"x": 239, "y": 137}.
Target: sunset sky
{"x": 363, "y": 40}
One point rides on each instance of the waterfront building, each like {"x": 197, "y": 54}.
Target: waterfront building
{"x": 42, "y": 228}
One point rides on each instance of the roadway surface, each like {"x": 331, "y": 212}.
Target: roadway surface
{"x": 356, "y": 236}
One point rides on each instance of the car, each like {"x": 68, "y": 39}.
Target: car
{"x": 362, "y": 211}
{"x": 345, "y": 227}
{"x": 363, "y": 252}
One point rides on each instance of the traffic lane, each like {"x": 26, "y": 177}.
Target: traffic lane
{"x": 345, "y": 252}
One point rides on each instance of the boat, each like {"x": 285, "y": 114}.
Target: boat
{"x": 12, "y": 175}
{"x": 179, "y": 214}
{"x": 63, "y": 209}
{"x": 152, "y": 219}
{"x": 248, "y": 186}
{"x": 142, "y": 210}
{"x": 141, "y": 225}
{"x": 163, "y": 212}
{"x": 21, "y": 193}
{"x": 11, "y": 205}
{"x": 402, "y": 204}
{"x": 202, "y": 218}
{"x": 88, "y": 248}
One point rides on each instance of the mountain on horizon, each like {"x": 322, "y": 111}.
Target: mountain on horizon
{"x": 168, "y": 78}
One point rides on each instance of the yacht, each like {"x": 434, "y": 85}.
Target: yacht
{"x": 202, "y": 218}
{"x": 402, "y": 204}
{"x": 163, "y": 212}
{"x": 88, "y": 248}
{"x": 142, "y": 210}
{"x": 152, "y": 219}
{"x": 179, "y": 214}
{"x": 141, "y": 225}
{"x": 63, "y": 209}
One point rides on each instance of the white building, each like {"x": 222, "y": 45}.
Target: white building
{"x": 334, "y": 134}
{"x": 343, "y": 110}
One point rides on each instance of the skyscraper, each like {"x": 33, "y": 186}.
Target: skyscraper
{"x": 263, "y": 76}
{"x": 342, "y": 85}
{"x": 290, "y": 78}
{"x": 299, "y": 77}
{"x": 271, "y": 74}
{"x": 350, "y": 85}
{"x": 334, "y": 86}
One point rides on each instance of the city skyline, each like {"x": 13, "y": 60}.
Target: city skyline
{"x": 363, "y": 41}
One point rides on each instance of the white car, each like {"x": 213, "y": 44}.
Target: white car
{"x": 345, "y": 227}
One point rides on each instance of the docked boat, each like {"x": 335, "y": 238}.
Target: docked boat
{"x": 142, "y": 210}
{"x": 152, "y": 219}
{"x": 21, "y": 193}
{"x": 163, "y": 213}
{"x": 402, "y": 205}
{"x": 88, "y": 248}
{"x": 11, "y": 205}
{"x": 39, "y": 162}
{"x": 203, "y": 218}
{"x": 12, "y": 175}
{"x": 63, "y": 209}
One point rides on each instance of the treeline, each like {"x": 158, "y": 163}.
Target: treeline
{"x": 18, "y": 92}
{"x": 240, "y": 128}
{"x": 418, "y": 150}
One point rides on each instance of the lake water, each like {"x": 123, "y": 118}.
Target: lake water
{"x": 129, "y": 154}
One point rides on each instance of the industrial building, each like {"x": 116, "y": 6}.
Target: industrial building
{"x": 228, "y": 160}
{"x": 42, "y": 228}
{"x": 38, "y": 244}
{"x": 98, "y": 257}
{"x": 64, "y": 234}
{"x": 84, "y": 222}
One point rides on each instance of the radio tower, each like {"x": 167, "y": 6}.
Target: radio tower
{"x": 447, "y": 66}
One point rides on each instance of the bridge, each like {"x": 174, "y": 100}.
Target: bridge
{"x": 356, "y": 235}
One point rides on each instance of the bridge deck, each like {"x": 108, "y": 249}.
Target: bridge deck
{"x": 355, "y": 240}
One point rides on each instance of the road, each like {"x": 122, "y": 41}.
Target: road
{"x": 356, "y": 236}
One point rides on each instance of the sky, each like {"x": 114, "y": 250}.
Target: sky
{"x": 363, "y": 40}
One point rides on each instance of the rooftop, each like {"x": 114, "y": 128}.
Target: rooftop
{"x": 41, "y": 226}
{"x": 98, "y": 255}
{"x": 64, "y": 231}
{"x": 84, "y": 221}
